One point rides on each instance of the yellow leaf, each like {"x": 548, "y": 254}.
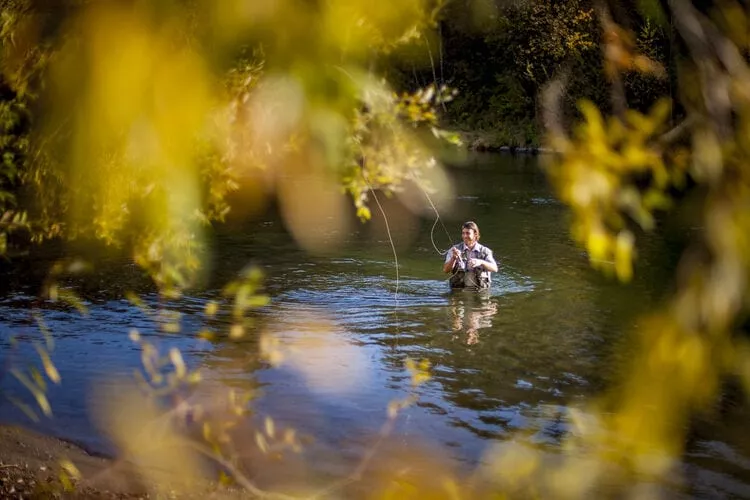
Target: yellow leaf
{"x": 179, "y": 364}
{"x": 624, "y": 256}
{"x": 211, "y": 309}
{"x": 49, "y": 367}
{"x": 598, "y": 245}
{"x": 236, "y": 331}
{"x": 269, "y": 426}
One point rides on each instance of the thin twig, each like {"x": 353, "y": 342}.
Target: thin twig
{"x": 356, "y": 474}
{"x": 552, "y": 95}
{"x": 677, "y": 131}
{"x": 619, "y": 102}
{"x": 715, "y": 86}
{"x": 238, "y": 476}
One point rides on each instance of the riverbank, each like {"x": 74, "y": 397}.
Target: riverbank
{"x": 497, "y": 141}
{"x": 32, "y": 466}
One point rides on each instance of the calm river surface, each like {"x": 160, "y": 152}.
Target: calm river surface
{"x": 547, "y": 337}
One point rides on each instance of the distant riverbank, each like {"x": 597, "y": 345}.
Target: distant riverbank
{"x": 499, "y": 141}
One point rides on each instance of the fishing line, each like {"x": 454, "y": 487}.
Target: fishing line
{"x": 380, "y": 207}
{"x": 432, "y": 230}
{"x": 437, "y": 219}
{"x": 416, "y": 78}
{"x": 388, "y": 231}
{"x": 434, "y": 74}
{"x": 440, "y": 47}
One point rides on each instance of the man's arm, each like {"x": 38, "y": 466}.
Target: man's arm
{"x": 450, "y": 263}
{"x": 489, "y": 263}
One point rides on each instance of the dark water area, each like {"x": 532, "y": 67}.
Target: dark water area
{"x": 548, "y": 336}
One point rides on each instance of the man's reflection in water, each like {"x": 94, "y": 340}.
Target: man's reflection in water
{"x": 470, "y": 312}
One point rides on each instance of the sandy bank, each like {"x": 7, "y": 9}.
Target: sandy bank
{"x": 30, "y": 467}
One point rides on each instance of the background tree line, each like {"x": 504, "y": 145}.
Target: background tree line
{"x": 92, "y": 120}
{"x": 500, "y": 55}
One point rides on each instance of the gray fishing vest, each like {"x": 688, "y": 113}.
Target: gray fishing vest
{"x": 470, "y": 278}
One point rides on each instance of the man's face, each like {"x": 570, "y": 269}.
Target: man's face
{"x": 469, "y": 236}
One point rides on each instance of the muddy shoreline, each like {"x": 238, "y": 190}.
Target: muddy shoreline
{"x": 33, "y": 465}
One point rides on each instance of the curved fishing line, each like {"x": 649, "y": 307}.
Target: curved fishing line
{"x": 440, "y": 47}
{"x": 437, "y": 219}
{"x": 432, "y": 230}
{"x": 380, "y": 207}
{"x": 388, "y": 231}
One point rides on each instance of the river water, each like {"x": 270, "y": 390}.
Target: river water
{"x": 547, "y": 336}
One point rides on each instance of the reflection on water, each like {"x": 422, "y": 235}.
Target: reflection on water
{"x": 510, "y": 360}
{"x": 470, "y": 312}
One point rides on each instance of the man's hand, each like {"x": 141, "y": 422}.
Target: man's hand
{"x": 451, "y": 264}
{"x": 473, "y": 263}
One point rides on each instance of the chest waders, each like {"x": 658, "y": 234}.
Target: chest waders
{"x": 473, "y": 279}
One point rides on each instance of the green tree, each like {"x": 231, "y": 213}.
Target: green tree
{"x": 618, "y": 172}
{"x": 131, "y": 123}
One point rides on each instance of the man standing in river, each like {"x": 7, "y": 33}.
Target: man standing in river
{"x": 470, "y": 263}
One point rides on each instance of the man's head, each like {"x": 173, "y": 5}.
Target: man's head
{"x": 470, "y": 233}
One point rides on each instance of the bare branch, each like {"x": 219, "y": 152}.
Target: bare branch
{"x": 551, "y": 99}
{"x": 715, "y": 85}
